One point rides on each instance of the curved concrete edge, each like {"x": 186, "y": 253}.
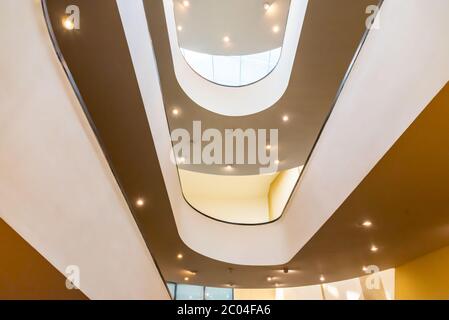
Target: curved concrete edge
{"x": 244, "y": 100}
{"x": 57, "y": 190}
{"x": 399, "y": 70}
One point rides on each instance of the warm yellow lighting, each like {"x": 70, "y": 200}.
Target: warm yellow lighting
{"x": 364, "y": 268}
{"x": 175, "y": 111}
{"x": 367, "y": 223}
{"x": 285, "y": 118}
{"x": 276, "y": 284}
{"x": 276, "y": 162}
{"x": 268, "y": 147}
{"x": 226, "y": 39}
{"x": 276, "y": 29}
{"x": 179, "y": 28}
{"x": 229, "y": 167}
{"x": 374, "y": 248}
{"x": 322, "y": 278}
{"x": 269, "y": 279}
{"x": 186, "y": 3}
{"x": 179, "y": 256}
{"x": 68, "y": 24}
{"x": 186, "y": 278}
{"x": 140, "y": 202}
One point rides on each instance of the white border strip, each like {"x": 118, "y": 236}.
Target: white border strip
{"x": 400, "y": 68}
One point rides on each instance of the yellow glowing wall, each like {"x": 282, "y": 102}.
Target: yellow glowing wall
{"x": 426, "y": 277}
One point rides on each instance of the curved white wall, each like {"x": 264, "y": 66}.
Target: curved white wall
{"x": 56, "y": 188}
{"x": 400, "y": 69}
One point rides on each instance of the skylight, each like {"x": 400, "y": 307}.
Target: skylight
{"x": 232, "y": 70}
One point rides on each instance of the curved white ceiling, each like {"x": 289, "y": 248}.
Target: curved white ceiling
{"x": 56, "y": 188}
{"x": 245, "y": 100}
{"x": 380, "y": 99}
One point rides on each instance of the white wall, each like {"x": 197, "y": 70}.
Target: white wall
{"x": 56, "y": 188}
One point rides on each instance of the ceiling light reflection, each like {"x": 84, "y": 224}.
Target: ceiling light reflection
{"x": 68, "y": 24}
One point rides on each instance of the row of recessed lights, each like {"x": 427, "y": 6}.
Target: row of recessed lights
{"x": 367, "y": 224}
{"x": 176, "y": 112}
{"x": 227, "y": 39}
{"x": 373, "y": 248}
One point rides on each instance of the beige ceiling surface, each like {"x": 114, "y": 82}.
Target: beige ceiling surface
{"x": 239, "y": 199}
{"x": 331, "y": 33}
{"x": 205, "y": 22}
{"x": 405, "y": 195}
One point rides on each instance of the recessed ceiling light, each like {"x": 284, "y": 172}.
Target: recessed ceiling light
{"x": 226, "y": 39}
{"x": 276, "y": 162}
{"x": 276, "y": 29}
{"x": 322, "y": 278}
{"x": 193, "y": 272}
{"x": 179, "y": 256}
{"x": 229, "y": 167}
{"x": 374, "y": 248}
{"x": 285, "y": 118}
{"x": 364, "y": 268}
{"x": 179, "y": 28}
{"x": 267, "y": 6}
{"x": 268, "y": 147}
{"x": 186, "y": 3}
{"x": 140, "y": 202}
{"x": 186, "y": 278}
{"x": 175, "y": 111}
{"x": 269, "y": 279}
{"x": 367, "y": 223}
{"x": 276, "y": 284}
{"x": 68, "y": 24}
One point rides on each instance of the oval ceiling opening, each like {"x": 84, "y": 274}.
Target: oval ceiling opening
{"x": 231, "y": 43}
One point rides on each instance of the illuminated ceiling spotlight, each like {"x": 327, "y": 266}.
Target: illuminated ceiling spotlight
{"x": 140, "y": 202}
{"x": 68, "y": 23}
{"x": 179, "y": 256}
{"x": 179, "y": 28}
{"x": 285, "y": 118}
{"x": 226, "y": 39}
{"x": 276, "y": 284}
{"x": 267, "y": 6}
{"x": 364, "y": 268}
{"x": 276, "y": 162}
{"x": 193, "y": 272}
{"x": 268, "y": 147}
{"x": 186, "y": 278}
{"x": 374, "y": 248}
{"x": 175, "y": 112}
{"x": 229, "y": 167}
{"x": 269, "y": 279}
{"x": 322, "y": 278}
{"x": 186, "y": 3}
{"x": 276, "y": 29}
{"x": 367, "y": 223}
